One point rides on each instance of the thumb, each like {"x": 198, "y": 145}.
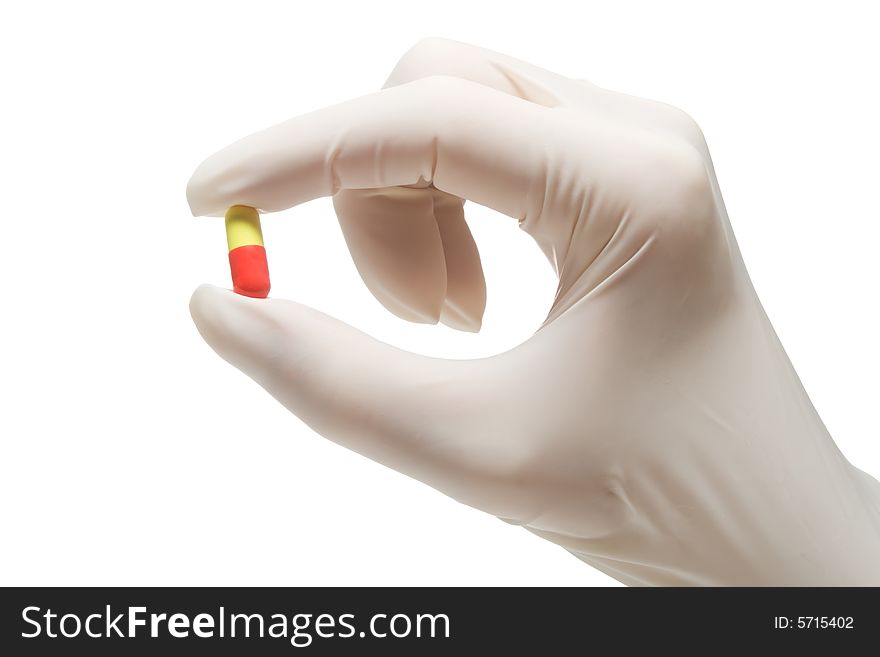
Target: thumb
{"x": 410, "y": 412}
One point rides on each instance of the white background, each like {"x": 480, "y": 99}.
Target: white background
{"x": 131, "y": 454}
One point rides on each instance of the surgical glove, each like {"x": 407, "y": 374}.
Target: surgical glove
{"x": 653, "y": 426}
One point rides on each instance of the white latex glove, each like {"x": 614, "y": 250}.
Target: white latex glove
{"x": 653, "y": 426}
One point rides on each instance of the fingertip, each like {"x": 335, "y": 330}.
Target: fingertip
{"x": 196, "y": 194}
{"x": 201, "y": 296}
{"x": 417, "y": 314}
{"x": 216, "y": 310}
{"x": 244, "y": 331}
{"x": 460, "y": 320}
{"x": 206, "y": 309}
{"x": 214, "y": 187}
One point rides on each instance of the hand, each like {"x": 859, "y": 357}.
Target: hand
{"x": 653, "y": 426}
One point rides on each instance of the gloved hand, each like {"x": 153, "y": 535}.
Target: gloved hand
{"x": 653, "y": 426}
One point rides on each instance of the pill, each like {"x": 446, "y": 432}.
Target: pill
{"x": 247, "y": 254}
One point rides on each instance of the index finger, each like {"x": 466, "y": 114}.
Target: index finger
{"x": 468, "y": 140}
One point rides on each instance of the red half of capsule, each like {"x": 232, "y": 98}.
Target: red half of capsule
{"x": 250, "y": 270}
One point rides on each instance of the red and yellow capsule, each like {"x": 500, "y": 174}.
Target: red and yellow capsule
{"x": 247, "y": 255}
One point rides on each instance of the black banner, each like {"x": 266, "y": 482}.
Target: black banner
{"x": 406, "y": 621}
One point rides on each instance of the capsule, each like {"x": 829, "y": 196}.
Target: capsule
{"x": 247, "y": 255}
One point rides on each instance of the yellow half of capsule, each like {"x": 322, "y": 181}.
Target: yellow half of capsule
{"x": 243, "y": 227}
